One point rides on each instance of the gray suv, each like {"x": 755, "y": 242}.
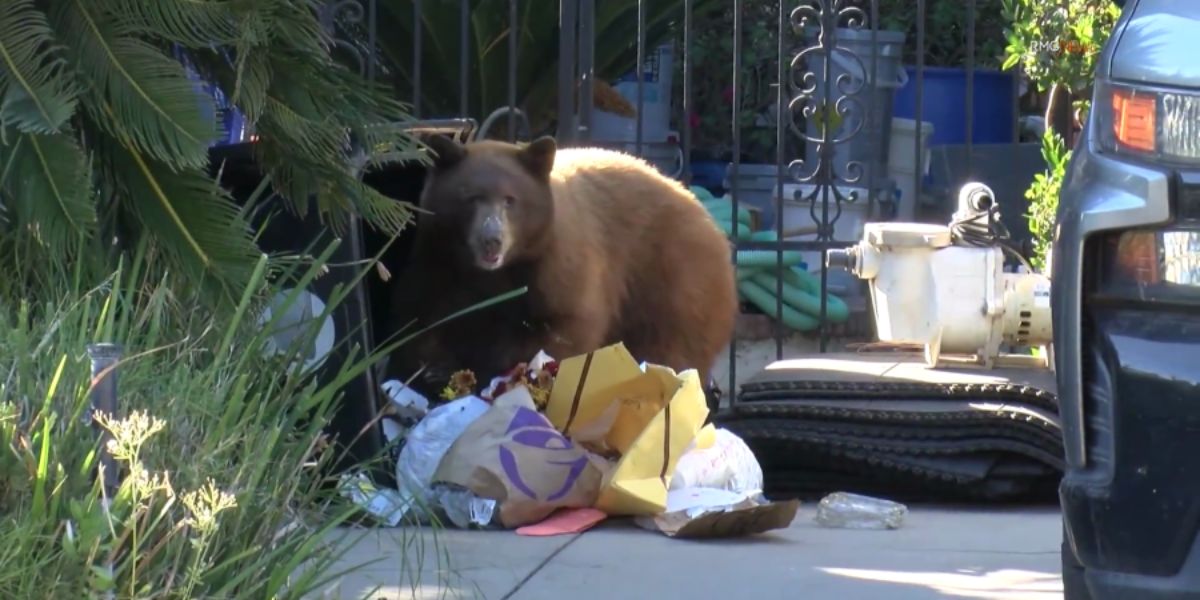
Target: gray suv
{"x": 1126, "y": 297}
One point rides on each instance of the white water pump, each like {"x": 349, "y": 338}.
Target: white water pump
{"x": 944, "y": 287}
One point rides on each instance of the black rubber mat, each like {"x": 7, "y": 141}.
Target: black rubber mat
{"x": 914, "y": 441}
{"x": 756, "y": 391}
{"x": 995, "y": 441}
{"x": 817, "y": 470}
{"x": 1035, "y": 434}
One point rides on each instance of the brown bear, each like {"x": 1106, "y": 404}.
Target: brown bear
{"x": 609, "y": 249}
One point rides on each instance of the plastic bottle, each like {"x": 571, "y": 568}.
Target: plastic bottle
{"x": 852, "y": 511}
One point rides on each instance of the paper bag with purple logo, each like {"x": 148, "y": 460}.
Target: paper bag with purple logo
{"x": 512, "y": 454}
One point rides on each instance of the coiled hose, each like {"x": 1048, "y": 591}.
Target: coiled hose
{"x": 759, "y": 274}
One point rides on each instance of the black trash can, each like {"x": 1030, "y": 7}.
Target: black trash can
{"x": 361, "y": 319}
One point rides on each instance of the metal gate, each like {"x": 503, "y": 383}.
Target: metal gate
{"x": 490, "y": 61}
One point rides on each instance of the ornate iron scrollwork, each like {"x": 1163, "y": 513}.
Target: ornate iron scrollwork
{"x": 825, "y": 100}
{"x": 351, "y": 27}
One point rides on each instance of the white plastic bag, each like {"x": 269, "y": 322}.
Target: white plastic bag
{"x": 428, "y": 441}
{"x": 728, "y": 465}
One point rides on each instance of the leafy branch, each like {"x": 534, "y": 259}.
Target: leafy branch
{"x": 1056, "y": 45}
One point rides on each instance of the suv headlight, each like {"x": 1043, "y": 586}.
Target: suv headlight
{"x": 1152, "y": 265}
{"x": 1147, "y": 123}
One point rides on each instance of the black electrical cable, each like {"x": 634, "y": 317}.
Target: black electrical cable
{"x": 983, "y": 229}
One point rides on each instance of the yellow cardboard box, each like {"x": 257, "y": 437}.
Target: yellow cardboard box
{"x": 604, "y": 399}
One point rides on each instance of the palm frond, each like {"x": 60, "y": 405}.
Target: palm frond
{"x": 294, "y": 27}
{"x": 188, "y": 214}
{"x": 251, "y": 83}
{"x": 107, "y": 117}
{"x": 308, "y": 138}
{"x": 36, "y": 96}
{"x": 294, "y": 181}
{"x": 50, "y": 178}
{"x": 388, "y": 214}
{"x": 138, "y": 91}
{"x": 189, "y": 23}
{"x": 334, "y": 205}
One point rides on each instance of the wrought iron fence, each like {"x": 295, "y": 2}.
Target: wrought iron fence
{"x": 833, "y": 85}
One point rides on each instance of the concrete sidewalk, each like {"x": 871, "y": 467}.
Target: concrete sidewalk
{"x": 939, "y": 553}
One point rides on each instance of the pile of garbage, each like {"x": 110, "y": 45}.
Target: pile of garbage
{"x": 557, "y": 446}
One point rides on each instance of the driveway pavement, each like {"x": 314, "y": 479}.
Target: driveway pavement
{"x": 1010, "y": 554}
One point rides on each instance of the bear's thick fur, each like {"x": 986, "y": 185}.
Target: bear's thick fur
{"x": 609, "y": 249}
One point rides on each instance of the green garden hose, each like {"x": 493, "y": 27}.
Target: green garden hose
{"x": 758, "y": 272}
{"x": 765, "y": 301}
{"x": 743, "y": 233}
{"x": 768, "y": 258}
{"x": 724, "y": 211}
{"x": 747, "y": 272}
{"x": 765, "y": 235}
{"x": 808, "y": 303}
{"x": 799, "y": 278}
{"x": 702, "y": 194}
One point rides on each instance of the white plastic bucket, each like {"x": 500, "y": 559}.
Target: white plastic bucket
{"x": 902, "y": 162}
{"x": 847, "y": 228}
{"x": 871, "y": 63}
{"x": 656, "y": 103}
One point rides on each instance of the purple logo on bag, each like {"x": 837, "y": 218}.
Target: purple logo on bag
{"x": 530, "y": 429}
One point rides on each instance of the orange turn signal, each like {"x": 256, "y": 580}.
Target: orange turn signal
{"x": 1133, "y": 119}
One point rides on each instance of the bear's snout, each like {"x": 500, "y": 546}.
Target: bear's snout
{"x": 490, "y": 242}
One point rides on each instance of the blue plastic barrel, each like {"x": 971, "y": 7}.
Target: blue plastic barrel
{"x": 944, "y": 103}
{"x": 233, "y": 126}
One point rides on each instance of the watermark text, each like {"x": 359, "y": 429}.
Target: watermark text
{"x": 1060, "y": 47}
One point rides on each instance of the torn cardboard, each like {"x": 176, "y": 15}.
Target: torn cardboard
{"x": 605, "y": 401}
{"x": 701, "y": 513}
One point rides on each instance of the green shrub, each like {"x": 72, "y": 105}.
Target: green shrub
{"x": 1043, "y": 196}
{"x": 1056, "y": 45}
{"x": 220, "y": 445}
{"x": 946, "y": 30}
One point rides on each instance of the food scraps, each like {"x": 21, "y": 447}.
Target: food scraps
{"x": 539, "y": 381}
{"x": 462, "y": 383}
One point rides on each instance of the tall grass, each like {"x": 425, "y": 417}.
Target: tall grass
{"x": 220, "y": 446}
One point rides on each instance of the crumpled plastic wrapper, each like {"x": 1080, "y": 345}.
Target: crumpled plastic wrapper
{"x": 407, "y": 404}
{"x": 406, "y": 409}
{"x": 389, "y": 507}
{"x": 461, "y": 507}
{"x": 385, "y": 505}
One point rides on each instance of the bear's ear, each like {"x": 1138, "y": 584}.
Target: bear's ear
{"x": 538, "y": 156}
{"x": 447, "y": 152}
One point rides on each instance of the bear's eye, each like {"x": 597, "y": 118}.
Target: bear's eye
{"x": 509, "y": 201}
{"x": 476, "y": 198}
